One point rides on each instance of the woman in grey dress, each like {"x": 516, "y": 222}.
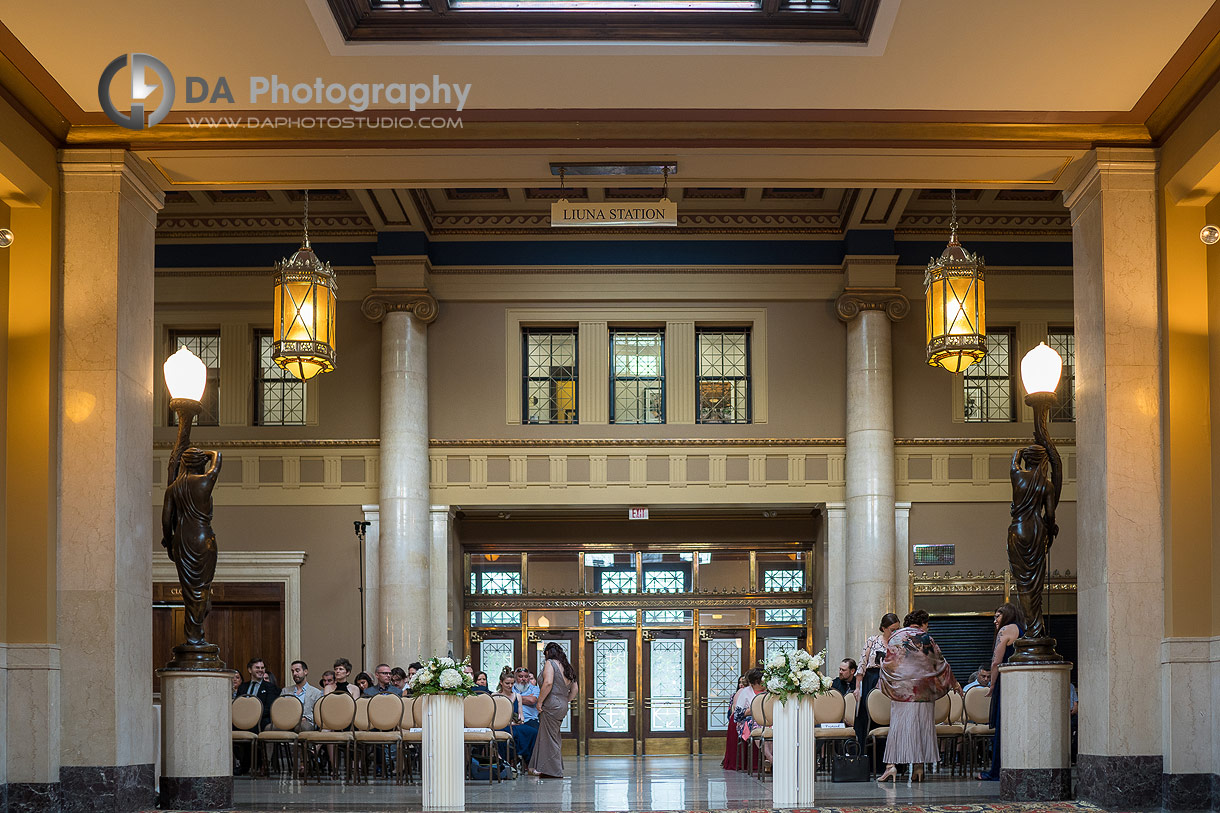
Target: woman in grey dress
{"x": 558, "y": 689}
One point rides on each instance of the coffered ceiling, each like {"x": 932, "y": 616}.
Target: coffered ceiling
{"x": 450, "y": 211}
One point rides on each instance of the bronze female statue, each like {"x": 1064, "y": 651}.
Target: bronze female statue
{"x": 1037, "y": 480}
{"x": 186, "y": 522}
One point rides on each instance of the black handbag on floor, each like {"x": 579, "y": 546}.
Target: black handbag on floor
{"x": 851, "y": 765}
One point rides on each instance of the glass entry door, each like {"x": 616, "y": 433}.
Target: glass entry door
{"x": 496, "y": 650}
{"x": 668, "y": 688}
{"x": 538, "y": 640}
{"x": 725, "y": 657}
{"x": 610, "y": 691}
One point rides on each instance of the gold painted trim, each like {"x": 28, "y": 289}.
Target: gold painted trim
{"x": 590, "y": 133}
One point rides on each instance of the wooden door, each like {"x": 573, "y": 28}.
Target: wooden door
{"x": 246, "y": 621}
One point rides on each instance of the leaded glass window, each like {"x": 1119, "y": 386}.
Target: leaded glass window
{"x": 788, "y": 615}
{"x": 549, "y": 388}
{"x": 667, "y": 617}
{"x": 616, "y": 581}
{"x": 279, "y": 395}
{"x": 1063, "y": 341}
{"x": 610, "y": 686}
{"x": 988, "y": 383}
{"x": 637, "y": 376}
{"x": 664, "y": 581}
{"x": 723, "y": 670}
{"x": 773, "y": 646}
{"x": 494, "y": 655}
{"x": 495, "y": 581}
{"x": 779, "y": 580}
{"x": 206, "y": 345}
{"x": 723, "y": 381}
{"x": 616, "y": 618}
{"x": 667, "y": 679}
{"x": 496, "y": 618}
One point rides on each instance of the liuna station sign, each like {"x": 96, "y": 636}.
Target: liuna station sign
{"x": 622, "y": 213}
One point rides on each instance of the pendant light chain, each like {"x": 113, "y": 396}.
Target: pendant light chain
{"x": 306, "y": 219}
{"x": 953, "y": 217}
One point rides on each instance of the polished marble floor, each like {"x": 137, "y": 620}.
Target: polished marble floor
{"x": 610, "y": 784}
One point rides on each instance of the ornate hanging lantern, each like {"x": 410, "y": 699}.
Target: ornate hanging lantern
{"x": 303, "y": 342}
{"x": 956, "y": 310}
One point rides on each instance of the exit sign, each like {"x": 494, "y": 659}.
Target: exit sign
{"x": 637, "y": 513}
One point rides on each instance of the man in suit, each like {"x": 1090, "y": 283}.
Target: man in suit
{"x": 261, "y": 686}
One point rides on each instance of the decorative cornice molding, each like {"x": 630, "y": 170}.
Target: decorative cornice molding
{"x": 262, "y": 226}
{"x": 889, "y": 300}
{"x": 418, "y": 302}
{"x": 545, "y": 443}
{"x": 1042, "y": 224}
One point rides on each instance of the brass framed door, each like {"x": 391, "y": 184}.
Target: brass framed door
{"x": 668, "y": 687}
{"x": 567, "y": 639}
{"x": 494, "y": 649}
{"x": 610, "y": 691}
{"x": 724, "y": 656}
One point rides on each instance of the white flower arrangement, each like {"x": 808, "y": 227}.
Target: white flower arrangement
{"x": 796, "y": 672}
{"x": 444, "y": 676}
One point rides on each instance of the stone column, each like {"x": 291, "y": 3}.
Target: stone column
{"x": 1119, "y": 450}
{"x": 869, "y": 469}
{"x": 196, "y": 749}
{"x": 1036, "y": 733}
{"x": 441, "y": 578}
{"x": 902, "y": 557}
{"x": 405, "y": 535}
{"x": 106, "y": 537}
{"x": 837, "y": 645}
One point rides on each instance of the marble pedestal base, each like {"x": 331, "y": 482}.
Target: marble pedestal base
{"x": 196, "y": 747}
{"x": 444, "y": 774}
{"x": 793, "y": 751}
{"x": 1036, "y": 732}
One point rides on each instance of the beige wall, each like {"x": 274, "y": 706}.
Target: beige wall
{"x": 330, "y": 603}
{"x": 980, "y": 532}
{"x": 348, "y": 399}
{"x": 805, "y": 350}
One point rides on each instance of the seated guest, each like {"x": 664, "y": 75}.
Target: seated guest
{"x": 729, "y": 763}
{"x": 523, "y": 735}
{"x": 327, "y": 683}
{"x": 301, "y": 690}
{"x": 383, "y": 676}
{"x": 398, "y": 678}
{"x": 412, "y": 668}
{"x": 364, "y": 683}
{"x": 343, "y": 668}
{"x": 480, "y": 683}
{"x": 257, "y": 686}
{"x": 528, "y": 691}
{"x": 236, "y": 683}
{"x": 980, "y": 678}
{"x": 741, "y": 708}
{"x": 846, "y": 681}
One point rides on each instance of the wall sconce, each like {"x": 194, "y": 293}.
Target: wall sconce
{"x": 1209, "y": 234}
{"x": 6, "y": 238}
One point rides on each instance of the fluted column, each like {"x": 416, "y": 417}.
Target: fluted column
{"x": 869, "y": 471}
{"x": 404, "y": 544}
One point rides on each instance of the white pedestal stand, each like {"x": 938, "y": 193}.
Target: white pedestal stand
{"x": 444, "y": 774}
{"x": 794, "y": 750}
{"x": 196, "y": 746}
{"x": 1035, "y": 732}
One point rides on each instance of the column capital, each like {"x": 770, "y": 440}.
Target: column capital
{"x": 1112, "y": 168}
{"x": 94, "y": 170}
{"x": 416, "y": 301}
{"x": 889, "y": 300}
